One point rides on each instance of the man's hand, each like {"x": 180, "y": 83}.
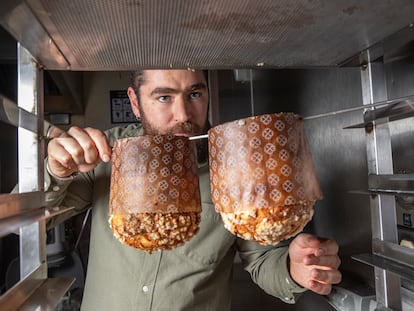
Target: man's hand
{"x": 314, "y": 263}
{"x": 77, "y": 150}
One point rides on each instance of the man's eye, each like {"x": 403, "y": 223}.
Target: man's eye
{"x": 195, "y": 95}
{"x": 164, "y": 99}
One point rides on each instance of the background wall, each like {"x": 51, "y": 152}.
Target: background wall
{"x": 96, "y": 87}
{"x": 339, "y": 156}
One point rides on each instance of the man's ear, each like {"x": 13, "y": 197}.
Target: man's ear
{"x": 133, "y": 99}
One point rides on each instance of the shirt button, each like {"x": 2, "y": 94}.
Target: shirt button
{"x": 145, "y": 289}
{"x": 56, "y": 188}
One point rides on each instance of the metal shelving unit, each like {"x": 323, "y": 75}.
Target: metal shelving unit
{"x": 391, "y": 262}
{"x": 25, "y": 212}
{"x": 262, "y": 34}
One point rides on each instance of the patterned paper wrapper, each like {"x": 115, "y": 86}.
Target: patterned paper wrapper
{"x": 154, "y": 173}
{"x": 261, "y": 162}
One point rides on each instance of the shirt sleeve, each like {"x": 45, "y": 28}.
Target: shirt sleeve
{"x": 268, "y": 267}
{"x": 74, "y": 191}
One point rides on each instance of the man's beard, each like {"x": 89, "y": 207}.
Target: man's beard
{"x": 182, "y": 128}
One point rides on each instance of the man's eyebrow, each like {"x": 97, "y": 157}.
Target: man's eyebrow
{"x": 198, "y": 86}
{"x": 169, "y": 90}
{"x": 163, "y": 90}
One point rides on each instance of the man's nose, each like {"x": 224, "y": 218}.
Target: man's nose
{"x": 182, "y": 109}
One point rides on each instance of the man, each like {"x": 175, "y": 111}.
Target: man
{"x": 197, "y": 275}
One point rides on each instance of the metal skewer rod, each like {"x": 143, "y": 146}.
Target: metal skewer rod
{"x": 332, "y": 113}
{"x": 374, "y": 105}
{"x": 198, "y": 137}
{"x": 12, "y": 114}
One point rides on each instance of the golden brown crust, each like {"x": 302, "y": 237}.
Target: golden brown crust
{"x": 155, "y": 231}
{"x": 269, "y": 225}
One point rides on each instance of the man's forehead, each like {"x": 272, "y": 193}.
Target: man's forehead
{"x": 171, "y": 77}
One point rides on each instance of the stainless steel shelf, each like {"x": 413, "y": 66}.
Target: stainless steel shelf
{"x": 272, "y": 34}
{"x": 46, "y": 296}
{"x": 18, "y": 203}
{"x": 25, "y": 217}
{"x": 386, "y": 111}
{"x": 394, "y": 252}
{"x": 394, "y": 184}
{"x": 404, "y": 271}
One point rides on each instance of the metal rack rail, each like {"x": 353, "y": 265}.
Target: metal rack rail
{"x": 25, "y": 212}
{"x": 391, "y": 262}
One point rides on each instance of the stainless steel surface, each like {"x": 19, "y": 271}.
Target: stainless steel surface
{"x": 48, "y": 295}
{"x": 357, "y": 298}
{"x": 397, "y": 184}
{"x": 380, "y": 161}
{"x": 124, "y": 34}
{"x": 395, "y": 252}
{"x": 13, "y": 204}
{"x": 12, "y": 114}
{"x": 198, "y": 137}
{"x": 23, "y": 218}
{"x": 30, "y": 98}
{"x": 31, "y": 154}
{"x": 13, "y": 224}
{"x": 20, "y": 292}
{"x": 25, "y": 211}
{"x": 35, "y": 295}
{"x": 394, "y": 110}
{"x": 17, "y": 210}
{"x": 339, "y": 155}
{"x": 18, "y": 18}
{"x": 388, "y": 265}
{"x": 398, "y": 111}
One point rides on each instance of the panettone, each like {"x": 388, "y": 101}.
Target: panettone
{"x": 262, "y": 177}
{"x": 154, "y": 195}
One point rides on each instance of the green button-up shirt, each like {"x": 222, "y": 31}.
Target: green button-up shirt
{"x": 195, "y": 276}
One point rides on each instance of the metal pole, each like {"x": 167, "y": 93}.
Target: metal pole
{"x": 379, "y": 156}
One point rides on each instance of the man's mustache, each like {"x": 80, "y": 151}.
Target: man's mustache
{"x": 185, "y": 128}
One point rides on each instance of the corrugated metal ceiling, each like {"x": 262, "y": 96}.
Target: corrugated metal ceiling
{"x": 210, "y": 34}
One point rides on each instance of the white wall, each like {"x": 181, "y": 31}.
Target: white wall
{"x": 97, "y": 101}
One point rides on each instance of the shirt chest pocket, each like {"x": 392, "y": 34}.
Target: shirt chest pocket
{"x": 212, "y": 242}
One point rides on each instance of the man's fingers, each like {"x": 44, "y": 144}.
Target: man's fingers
{"x": 306, "y": 240}
{"x": 314, "y": 263}
{"x": 319, "y": 246}
{"x": 61, "y": 156}
{"x": 321, "y": 281}
{"x": 82, "y": 147}
{"x": 305, "y": 245}
{"x": 329, "y": 247}
{"x": 332, "y": 261}
{"x": 319, "y": 288}
{"x": 77, "y": 150}
{"x": 101, "y": 143}
{"x": 326, "y": 276}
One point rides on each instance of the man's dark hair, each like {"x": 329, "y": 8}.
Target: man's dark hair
{"x": 136, "y": 80}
